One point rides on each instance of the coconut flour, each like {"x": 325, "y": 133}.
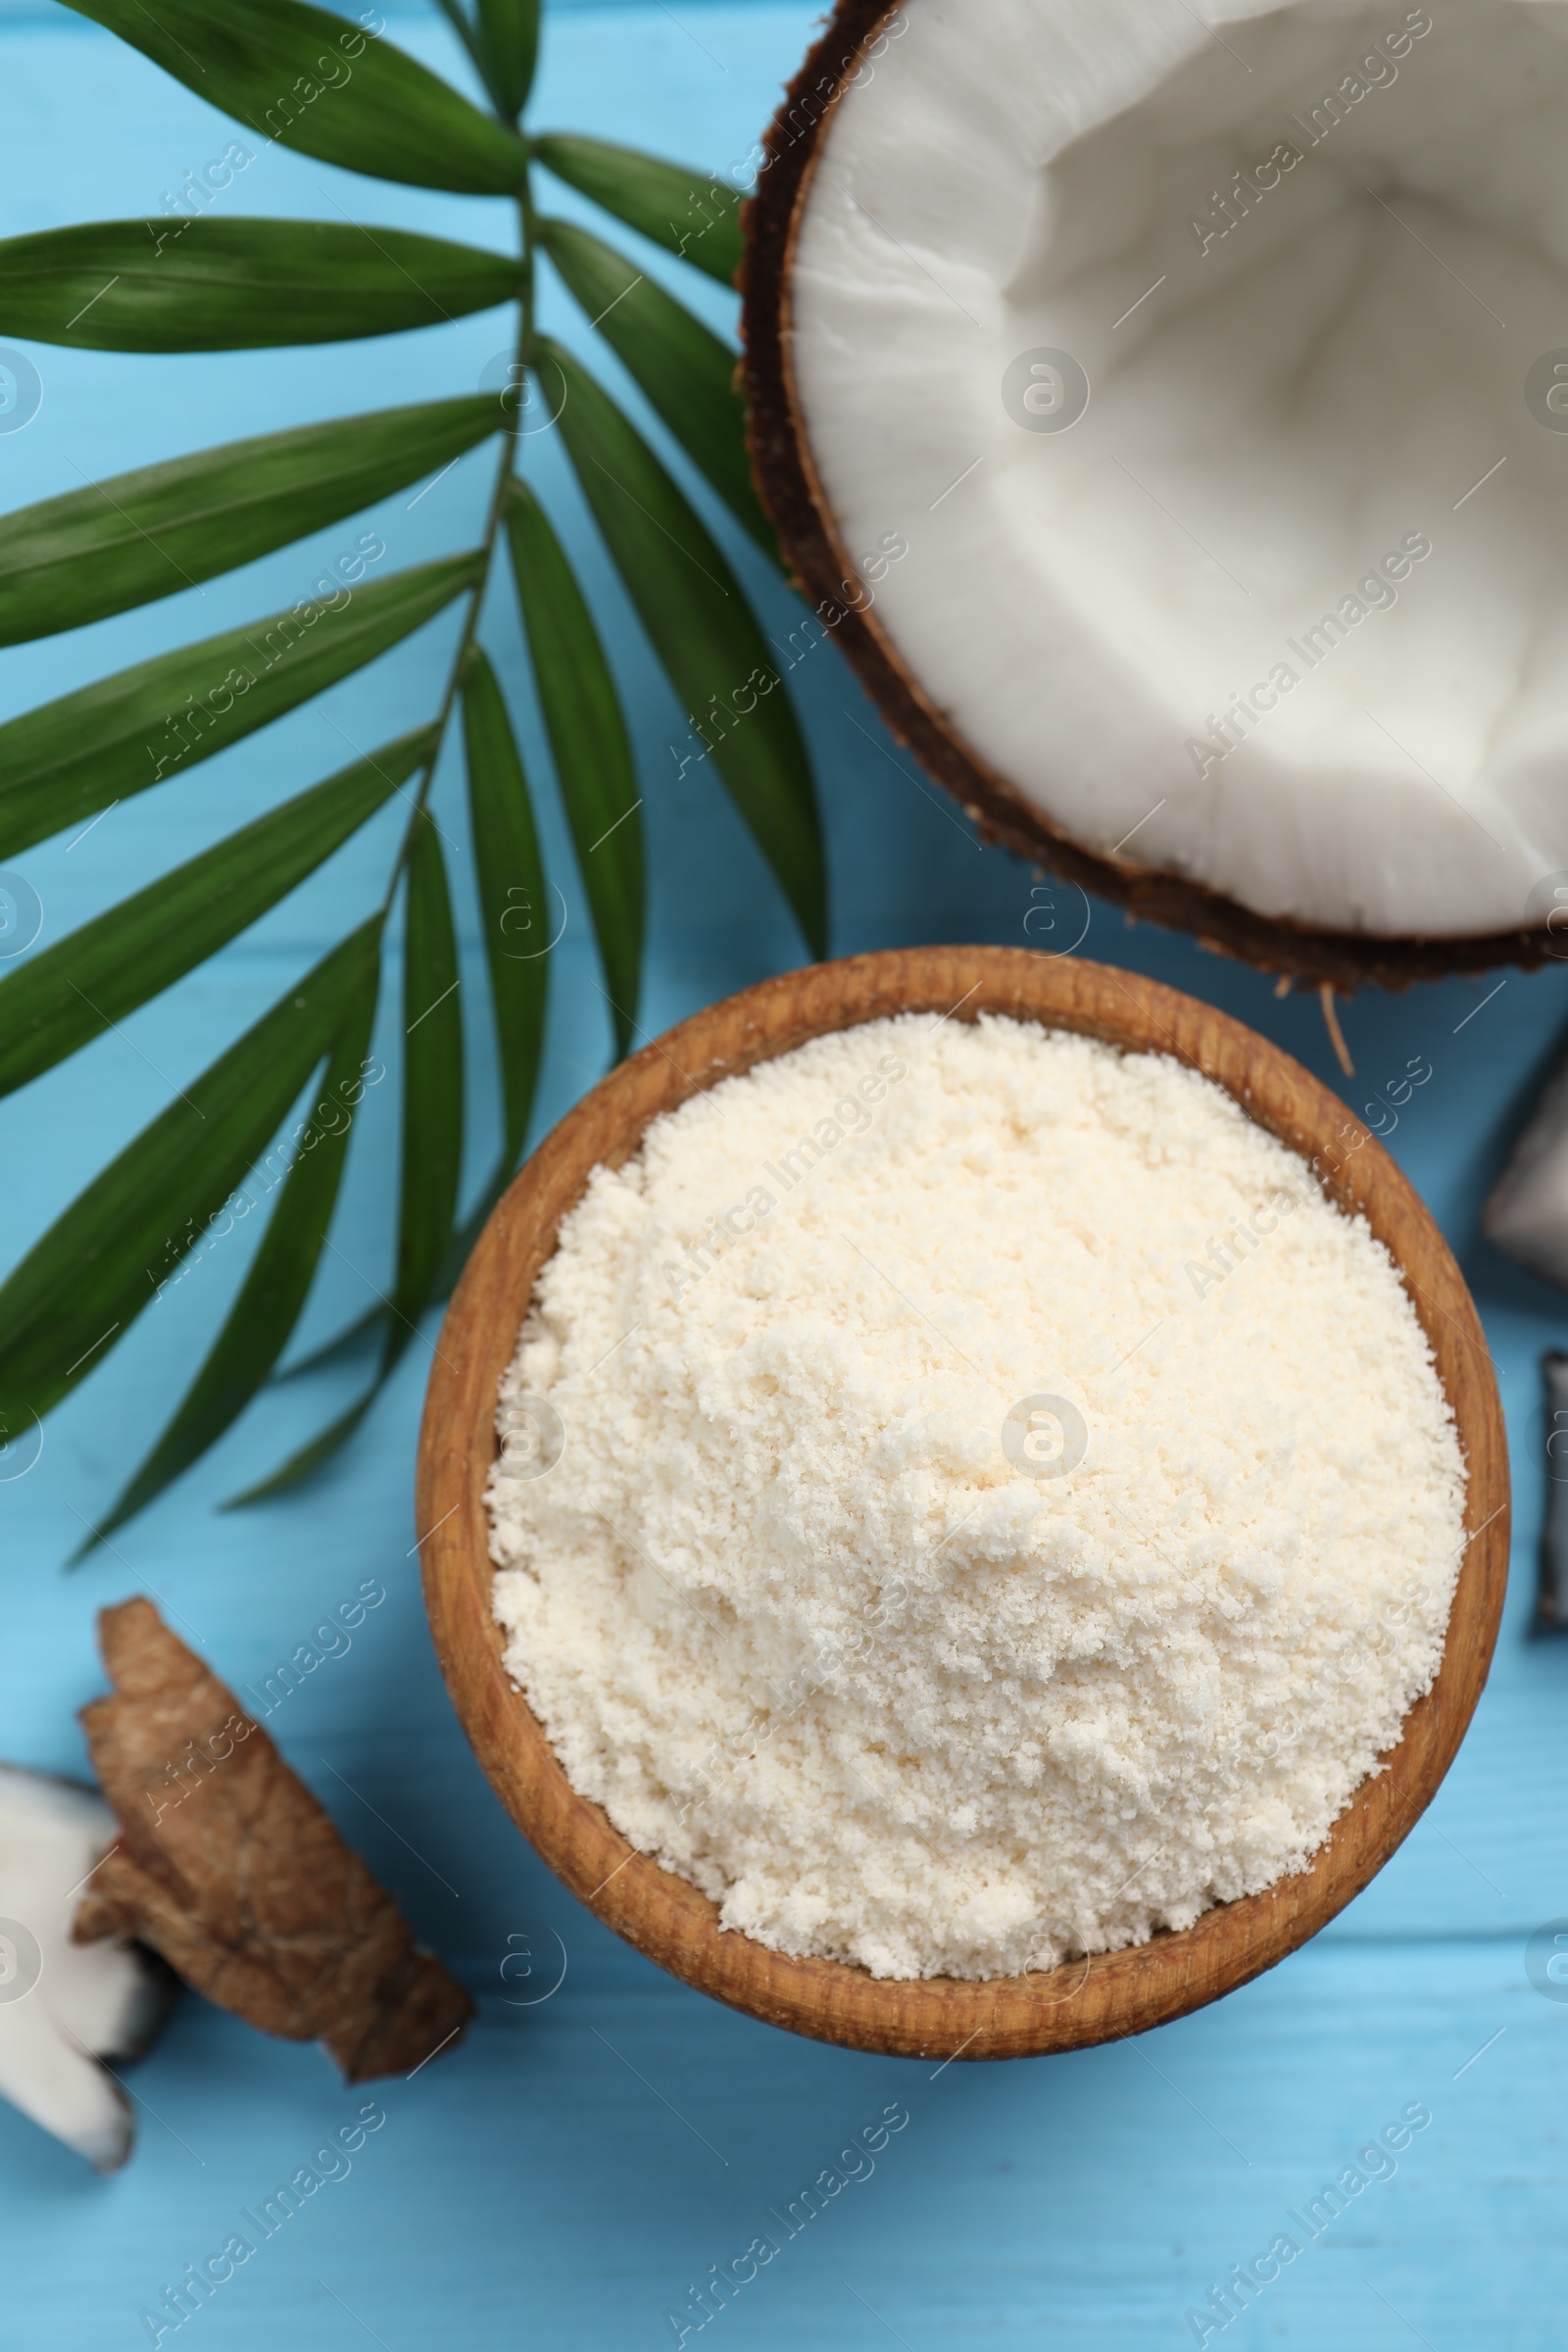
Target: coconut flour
{"x": 968, "y": 1499}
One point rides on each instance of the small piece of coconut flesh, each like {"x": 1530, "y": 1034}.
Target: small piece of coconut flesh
{"x": 64, "y": 2005}
{"x": 1286, "y": 599}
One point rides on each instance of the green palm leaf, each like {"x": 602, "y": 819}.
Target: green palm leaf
{"x": 356, "y": 1335}
{"x": 342, "y": 1345}
{"x": 432, "y": 1142}
{"x": 72, "y": 993}
{"x": 686, "y": 373}
{"x": 474, "y": 41}
{"x": 696, "y": 216}
{"x": 258, "y": 1326}
{"x": 80, "y": 1287}
{"x": 703, "y": 629}
{"x": 511, "y": 31}
{"x": 592, "y": 753}
{"x": 202, "y": 280}
{"x": 311, "y": 1457}
{"x": 372, "y": 1323}
{"x": 237, "y": 285}
{"x": 150, "y": 533}
{"x": 70, "y": 759}
{"x": 513, "y": 897}
{"x": 313, "y": 82}
{"x": 432, "y": 1085}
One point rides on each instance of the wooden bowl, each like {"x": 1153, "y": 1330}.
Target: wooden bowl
{"x": 823, "y": 567}
{"x": 665, "y": 1917}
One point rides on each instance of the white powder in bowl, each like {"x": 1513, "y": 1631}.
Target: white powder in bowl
{"x": 899, "y": 1663}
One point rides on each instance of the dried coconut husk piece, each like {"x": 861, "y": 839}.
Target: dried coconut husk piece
{"x": 226, "y": 1865}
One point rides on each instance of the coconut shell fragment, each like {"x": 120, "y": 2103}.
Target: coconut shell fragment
{"x": 227, "y": 1866}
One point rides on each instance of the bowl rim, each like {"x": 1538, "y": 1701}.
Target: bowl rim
{"x": 819, "y": 561}
{"x": 665, "y": 1917}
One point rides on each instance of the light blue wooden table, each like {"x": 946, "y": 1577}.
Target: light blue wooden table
{"x": 569, "y": 2174}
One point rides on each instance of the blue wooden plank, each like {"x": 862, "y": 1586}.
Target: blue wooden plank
{"x": 579, "y": 2168}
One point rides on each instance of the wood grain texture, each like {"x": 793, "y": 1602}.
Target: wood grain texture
{"x": 662, "y": 1915}
{"x": 823, "y": 568}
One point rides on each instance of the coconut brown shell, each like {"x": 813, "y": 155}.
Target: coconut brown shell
{"x": 824, "y": 571}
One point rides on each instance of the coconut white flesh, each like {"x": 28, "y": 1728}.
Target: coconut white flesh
{"x": 1272, "y": 413}
{"x": 65, "y": 2005}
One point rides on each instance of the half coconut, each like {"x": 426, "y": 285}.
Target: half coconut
{"x": 1165, "y": 403}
